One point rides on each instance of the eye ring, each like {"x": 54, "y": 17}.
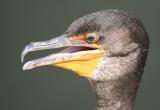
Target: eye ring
{"x": 91, "y": 39}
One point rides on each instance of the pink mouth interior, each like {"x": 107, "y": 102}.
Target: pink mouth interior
{"x": 77, "y": 49}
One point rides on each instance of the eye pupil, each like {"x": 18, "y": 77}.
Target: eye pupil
{"x": 90, "y": 38}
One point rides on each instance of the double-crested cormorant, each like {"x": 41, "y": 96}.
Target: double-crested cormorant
{"x": 109, "y": 48}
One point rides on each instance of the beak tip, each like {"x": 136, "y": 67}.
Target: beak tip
{"x": 27, "y": 66}
{"x": 22, "y": 55}
{"x": 24, "y": 52}
{"x": 22, "y": 58}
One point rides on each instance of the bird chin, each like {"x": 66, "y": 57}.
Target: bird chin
{"x": 79, "y": 59}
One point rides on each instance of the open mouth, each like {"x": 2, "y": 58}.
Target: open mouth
{"x": 74, "y": 52}
{"x": 77, "y": 49}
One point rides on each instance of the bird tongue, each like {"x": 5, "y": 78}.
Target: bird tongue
{"x": 76, "y": 49}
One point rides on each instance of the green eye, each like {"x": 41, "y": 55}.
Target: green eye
{"x": 91, "y": 39}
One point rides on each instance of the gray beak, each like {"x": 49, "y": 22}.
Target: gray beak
{"x": 57, "y": 42}
{"x": 52, "y": 59}
{"x": 61, "y": 41}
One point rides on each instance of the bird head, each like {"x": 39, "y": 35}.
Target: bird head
{"x": 90, "y": 40}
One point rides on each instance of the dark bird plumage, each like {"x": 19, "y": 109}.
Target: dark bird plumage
{"x": 117, "y": 74}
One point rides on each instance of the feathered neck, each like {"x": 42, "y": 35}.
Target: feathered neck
{"x": 115, "y": 94}
{"x": 116, "y": 80}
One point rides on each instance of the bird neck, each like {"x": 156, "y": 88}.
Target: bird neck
{"x": 116, "y": 80}
{"x": 115, "y": 94}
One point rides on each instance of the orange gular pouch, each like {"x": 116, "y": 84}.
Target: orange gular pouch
{"x": 81, "y": 64}
{"x": 82, "y": 68}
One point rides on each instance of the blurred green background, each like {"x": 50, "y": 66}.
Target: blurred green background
{"x": 48, "y": 88}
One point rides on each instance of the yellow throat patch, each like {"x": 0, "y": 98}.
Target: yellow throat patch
{"x": 84, "y": 66}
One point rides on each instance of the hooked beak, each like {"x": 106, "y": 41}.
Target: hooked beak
{"x": 76, "y": 52}
{"x": 49, "y": 44}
